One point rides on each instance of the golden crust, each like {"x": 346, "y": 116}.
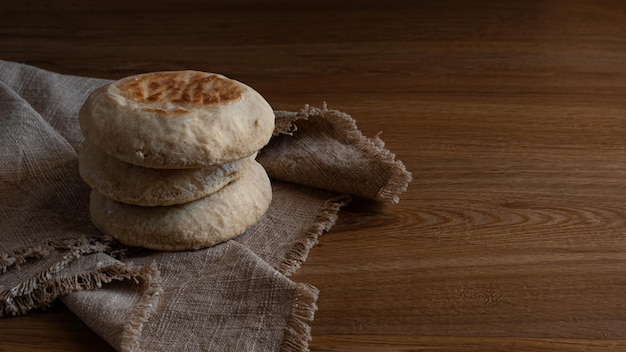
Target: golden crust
{"x": 184, "y": 88}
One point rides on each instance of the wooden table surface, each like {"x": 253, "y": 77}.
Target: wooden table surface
{"x": 511, "y": 115}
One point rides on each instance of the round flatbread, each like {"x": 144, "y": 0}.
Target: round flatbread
{"x": 132, "y": 184}
{"x": 202, "y": 223}
{"x": 177, "y": 119}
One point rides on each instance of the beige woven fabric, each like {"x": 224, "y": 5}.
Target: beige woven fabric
{"x": 236, "y": 296}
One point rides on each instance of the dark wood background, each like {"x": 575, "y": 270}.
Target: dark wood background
{"x": 511, "y": 115}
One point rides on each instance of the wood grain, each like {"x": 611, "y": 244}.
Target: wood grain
{"x": 510, "y": 115}
{"x": 377, "y": 343}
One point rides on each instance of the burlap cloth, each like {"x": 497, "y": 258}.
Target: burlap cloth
{"x": 236, "y": 296}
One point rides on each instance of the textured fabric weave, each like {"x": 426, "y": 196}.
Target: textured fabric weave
{"x": 236, "y": 296}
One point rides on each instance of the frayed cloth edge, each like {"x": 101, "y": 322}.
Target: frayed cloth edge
{"x": 142, "y": 311}
{"x": 297, "y": 334}
{"x": 21, "y": 255}
{"x": 374, "y": 148}
{"x": 325, "y": 219}
{"x": 41, "y": 290}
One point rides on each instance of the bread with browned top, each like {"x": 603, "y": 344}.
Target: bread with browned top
{"x": 177, "y": 120}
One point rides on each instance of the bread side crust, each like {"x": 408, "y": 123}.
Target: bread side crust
{"x": 202, "y": 223}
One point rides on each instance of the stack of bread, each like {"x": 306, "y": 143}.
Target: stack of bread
{"x": 170, "y": 158}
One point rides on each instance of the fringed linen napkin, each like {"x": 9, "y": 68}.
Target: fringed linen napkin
{"x": 236, "y": 296}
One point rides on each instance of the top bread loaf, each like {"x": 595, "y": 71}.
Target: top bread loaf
{"x": 177, "y": 120}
